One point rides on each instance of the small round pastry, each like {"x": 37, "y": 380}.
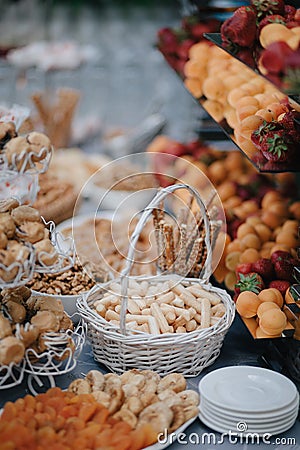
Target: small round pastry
{"x": 273, "y": 321}
{"x": 14, "y": 149}
{"x": 48, "y": 303}
{"x": 46, "y": 253}
{"x": 5, "y": 327}
{"x": 16, "y": 311}
{"x": 271, "y": 295}
{"x": 45, "y": 321}
{"x": 31, "y": 232}
{"x": 260, "y": 334}
{"x": 247, "y": 304}
{"x": 3, "y": 240}
{"x": 25, "y": 213}
{"x": 37, "y": 141}
{"x": 7, "y": 225}
{"x": 11, "y": 350}
{"x": 28, "y": 334}
{"x": 265, "y": 306}
{"x": 8, "y": 204}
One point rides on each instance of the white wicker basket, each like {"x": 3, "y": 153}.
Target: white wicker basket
{"x": 120, "y": 349}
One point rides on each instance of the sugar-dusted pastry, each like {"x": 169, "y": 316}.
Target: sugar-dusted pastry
{"x": 31, "y": 231}
{"x": 5, "y": 327}
{"x": 45, "y": 321}
{"x": 25, "y": 213}
{"x": 11, "y": 350}
{"x": 46, "y": 253}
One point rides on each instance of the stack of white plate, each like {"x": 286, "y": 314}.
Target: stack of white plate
{"x": 248, "y": 399}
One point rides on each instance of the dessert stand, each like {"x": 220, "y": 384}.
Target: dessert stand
{"x": 61, "y": 348}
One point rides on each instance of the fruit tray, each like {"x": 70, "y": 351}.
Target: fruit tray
{"x": 245, "y": 55}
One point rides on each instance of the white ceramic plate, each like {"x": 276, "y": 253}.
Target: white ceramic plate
{"x": 179, "y": 430}
{"x": 223, "y": 429}
{"x": 247, "y": 389}
{"x": 251, "y": 427}
{"x": 251, "y": 417}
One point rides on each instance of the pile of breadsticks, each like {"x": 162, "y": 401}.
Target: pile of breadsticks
{"x": 163, "y": 307}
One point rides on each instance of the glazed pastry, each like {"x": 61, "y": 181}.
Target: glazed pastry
{"x": 46, "y": 253}
{"x": 31, "y": 232}
{"x": 16, "y": 311}
{"x": 25, "y": 213}
{"x": 28, "y": 334}
{"x": 5, "y": 327}
{"x": 45, "y": 321}
{"x": 8, "y": 204}
{"x": 7, "y": 225}
{"x": 11, "y": 350}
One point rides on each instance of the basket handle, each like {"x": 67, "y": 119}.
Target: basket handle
{"x": 135, "y": 236}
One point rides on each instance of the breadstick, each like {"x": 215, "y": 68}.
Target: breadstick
{"x": 110, "y": 300}
{"x": 191, "y": 325}
{"x": 131, "y": 325}
{"x": 153, "y": 326}
{"x": 193, "y": 303}
{"x": 181, "y": 330}
{"x": 144, "y": 328}
{"x": 140, "y": 319}
{"x": 218, "y": 310}
{"x": 160, "y": 318}
{"x": 178, "y": 302}
{"x": 111, "y": 315}
{"x": 205, "y": 313}
{"x": 146, "y": 312}
{"x": 197, "y": 291}
{"x": 132, "y": 307}
{"x": 141, "y": 303}
{"x": 178, "y": 289}
{"x": 197, "y": 317}
{"x": 165, "y": 298}
{"x": 180, "y": 321}
{"x": 101, "y": 309}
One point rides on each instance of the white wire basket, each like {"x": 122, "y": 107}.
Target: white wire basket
{"x": 63, "y": 350}
{"x": 122, "y": 349}
{"x": 19, "y": 272}
{"x": 29, "y": 162}
{"x": 11, "y": 375}
{"x": 63, "y": 248}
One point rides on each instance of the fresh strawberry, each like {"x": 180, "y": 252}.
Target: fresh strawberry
{"x": 268, "y": 7}
{"x": 281, "y": 285}
{"x": 273, "y": 18}
{"x": 281, "y": 255}
{"x": 184, "y": 48}
{"x": 264, "y": 267}
{"x": 278, "y": 146}
{"x": 273, "y": 58}
{"x": 290, "y": 122}
{"x": 240, "y": 28}
{"x": 284, "y": 269}
{"x": 167, "y": 40}
{"x": 250, "y": 282}
{"x": 243, "y": 268}
{"x": 289, "y": 12}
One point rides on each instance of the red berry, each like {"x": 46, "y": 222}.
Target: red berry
{"x": 264, "y": 267}
{"x": 281, "y": 285}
